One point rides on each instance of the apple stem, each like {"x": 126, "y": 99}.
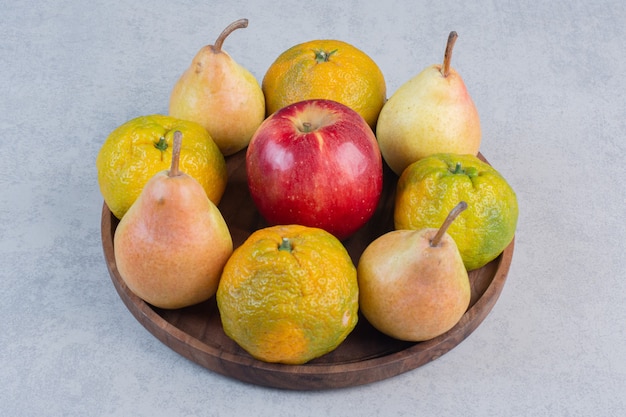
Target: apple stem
{"x": 447, "y": 56}
{"x": 447, "y": 222}
{"x": 237, "y": 24}
{"x": 306, "y": 127}
{"x": 178, "y": 141}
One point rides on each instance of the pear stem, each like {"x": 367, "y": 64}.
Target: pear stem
{"x": 447, "y": 222}
{"x": 237, "y": 24}
{"x": 447, "y": 56}
{"x": 178, "y": 141}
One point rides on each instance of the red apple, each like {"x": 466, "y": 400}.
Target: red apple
{"x": 315, "y": 163}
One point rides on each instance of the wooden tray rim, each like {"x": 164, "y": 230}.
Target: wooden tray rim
{"x": 313, "y": 375}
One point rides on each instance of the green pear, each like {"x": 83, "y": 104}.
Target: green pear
{"x": 413, "y": 285}
{"x": 221, "y": 95}
{"x": 431, "y": 113}
{"x": 172, "y": 244}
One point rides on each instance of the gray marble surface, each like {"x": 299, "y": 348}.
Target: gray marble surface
{"x": 548, "y": 81}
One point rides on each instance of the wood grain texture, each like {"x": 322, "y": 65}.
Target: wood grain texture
{"x": 364, "y": 357}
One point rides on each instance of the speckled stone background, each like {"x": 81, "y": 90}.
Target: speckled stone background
{"x": 548, "y": 80}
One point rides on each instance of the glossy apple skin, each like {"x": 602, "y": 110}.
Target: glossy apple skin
{"x": 330, "y": 177}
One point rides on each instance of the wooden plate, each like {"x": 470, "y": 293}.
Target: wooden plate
{"x": 364, "y": 357}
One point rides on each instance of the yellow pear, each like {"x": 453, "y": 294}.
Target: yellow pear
{"x": 412, "y": 283}
{"x": 172, "y": 244}
{"x": 221, "y": 95}
{"x": 431, "y": 113}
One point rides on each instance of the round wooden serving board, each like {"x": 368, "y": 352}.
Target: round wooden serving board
{"x": 364, "y": 357}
